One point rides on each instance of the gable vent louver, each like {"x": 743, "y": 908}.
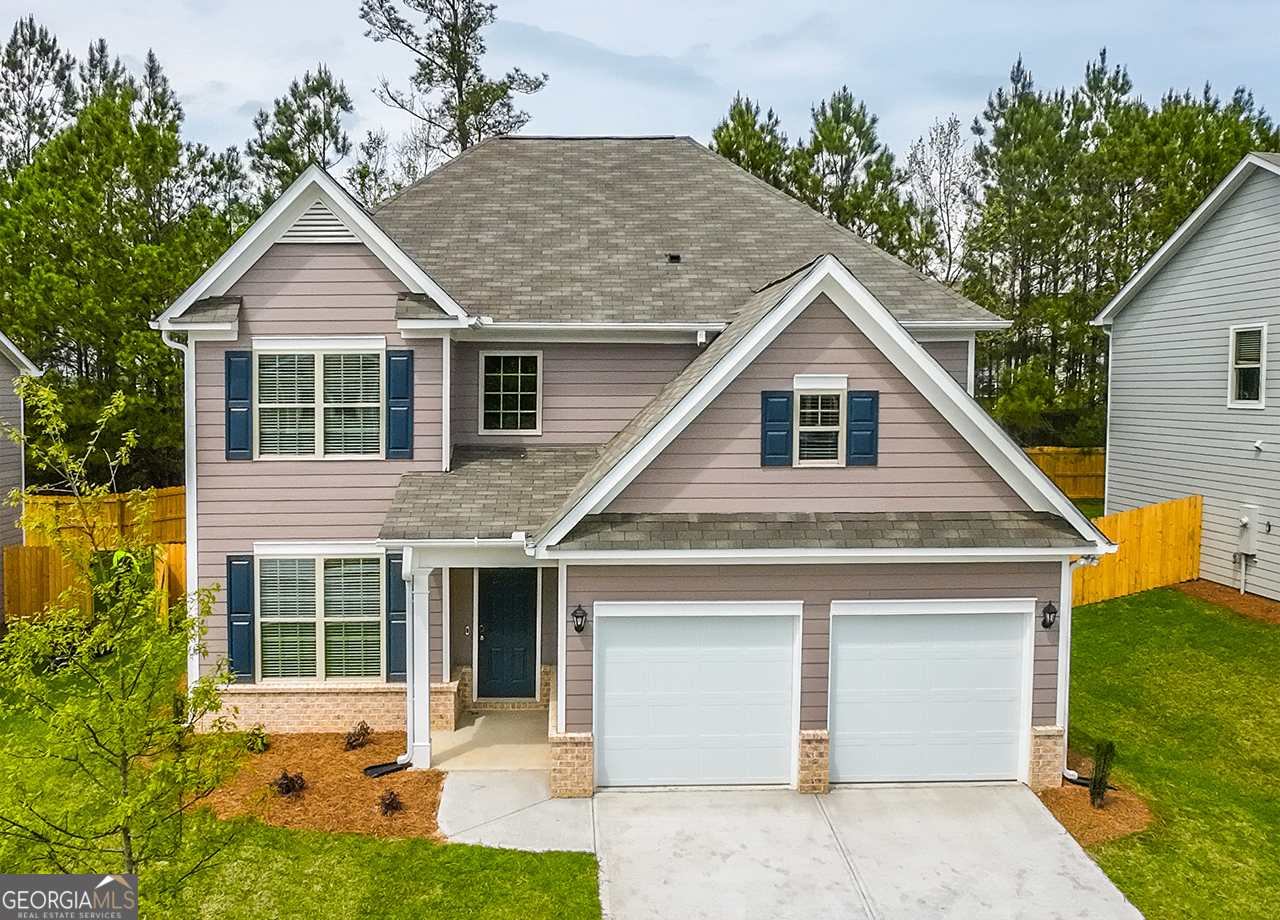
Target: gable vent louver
{"x": 319, "y": 225}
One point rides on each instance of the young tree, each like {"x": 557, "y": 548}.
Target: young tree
{"x": 305, "y": 127}
{"x": 113, "y": 772}
{"x": 37, "y": 92}
{"x": 370, "y": 178}
{"x": 449, "y": 91}
{"x": 759, "y": 147}
{"x": 944, "y": 180}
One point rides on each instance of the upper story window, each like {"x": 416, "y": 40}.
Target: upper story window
{"x": 511, "y": 392}
{"x": 330, "y": 398}
{"x": 819, "y": 422}
{"x": 1248, "y": 366}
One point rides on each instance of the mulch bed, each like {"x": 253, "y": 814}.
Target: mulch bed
{"x": 338, "y": 797}
{"x": 1250, "y": 605}
{"x": 1122, "y": 812}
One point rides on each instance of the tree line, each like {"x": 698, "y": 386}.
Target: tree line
{"x": 107, "y": 212}
{"x": 1062, "y": 195}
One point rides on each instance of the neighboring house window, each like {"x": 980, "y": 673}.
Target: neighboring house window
{"x": 320, "y": 617}
{"x": 319, "y": 405}
{"x": 1248, "y": 366}
{"x": 819, "y": 423}
{"x": 510, "y": 392}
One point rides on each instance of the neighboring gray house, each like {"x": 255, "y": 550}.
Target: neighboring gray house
{"x": 13, "y": 364}
{"x": 619, "y": 430}
{"x": 1194, "y": 396}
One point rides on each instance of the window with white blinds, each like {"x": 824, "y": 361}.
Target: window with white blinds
{"x": 1248, "y": 363}
{"x": 819, "y": 428}
{"x": 340, "y": 415}
{"x": 320, "y": 617}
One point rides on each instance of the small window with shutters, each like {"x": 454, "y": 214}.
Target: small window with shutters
{"x": 819, "y": 423}
{"x": 1248, "y": 367}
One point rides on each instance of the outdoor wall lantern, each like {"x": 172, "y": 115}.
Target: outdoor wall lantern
{"x": 579, "y": 619}
{"x": 1050, "y": 615}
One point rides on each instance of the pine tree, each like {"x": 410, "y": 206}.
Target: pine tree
{"x": 304, "y": 128}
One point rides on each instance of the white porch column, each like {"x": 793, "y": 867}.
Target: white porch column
{"x": 419, "y": 663}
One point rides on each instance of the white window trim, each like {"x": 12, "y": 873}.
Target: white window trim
{"x": 1261, "y": 401}
{"x": 319, "y": 560}
{"x": 318, "y": 348}
{"x": 842, "y": 423}
{"x": 508, "y": 432}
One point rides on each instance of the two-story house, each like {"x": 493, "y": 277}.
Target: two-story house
{"x": 609, "y": 425}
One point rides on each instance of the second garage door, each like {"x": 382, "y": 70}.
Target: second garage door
{"x": 929, "y": 690}
{"x": 687, "y": 696}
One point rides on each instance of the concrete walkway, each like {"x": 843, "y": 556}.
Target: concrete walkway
{"x": 866, "y": 853}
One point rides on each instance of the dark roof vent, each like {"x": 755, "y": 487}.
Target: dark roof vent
{"x": 673, "y": 257}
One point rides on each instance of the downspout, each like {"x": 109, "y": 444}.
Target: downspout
{"x": 1064, "y": 637}
{"x": 406, "y": 573}
{"x": 189, "y": 477}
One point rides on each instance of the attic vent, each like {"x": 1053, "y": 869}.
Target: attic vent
{"x": 673, "y": 257}
{"x": 319, "y": 225}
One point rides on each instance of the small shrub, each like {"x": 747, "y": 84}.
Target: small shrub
{"x": 389, "y": 803}
{"x": 359, "y": 736}
{"x": 289, "y": 784}
{"x": 1103, "y": 755}
{"x": 256, "y": 740}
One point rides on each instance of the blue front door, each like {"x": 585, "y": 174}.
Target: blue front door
{"x": 508, "y": 615}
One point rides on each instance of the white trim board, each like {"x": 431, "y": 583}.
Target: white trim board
{"x": 698, "y": 608}
{"x": 948, "y": 606}
{"x": 829, "y": 276}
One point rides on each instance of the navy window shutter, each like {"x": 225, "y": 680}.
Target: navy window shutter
{"x": 239, "y": 366}
{"x": 397, "y": 618}
{"x": 400, "y": 405}
{"x": 775, "y": 428}
{"x": 864, "y": 422}
{"x": 240, "y": 617}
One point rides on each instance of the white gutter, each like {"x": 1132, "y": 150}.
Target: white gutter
{"x": 1064, "y": 653}
{"x": 189, "y": 476}
{"x": 819, "y": 555}
{"x": 406, "y": 574}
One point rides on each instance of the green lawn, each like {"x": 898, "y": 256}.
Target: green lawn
{"x": 1190, "y": 694}
{"x": 1089, "y": 507}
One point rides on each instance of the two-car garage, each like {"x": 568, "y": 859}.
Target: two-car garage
{"x": 708, "y": 693}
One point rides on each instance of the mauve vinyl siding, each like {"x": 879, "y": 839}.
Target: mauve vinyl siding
{"x": 817, "y": 586}
{"x": 550, "y": 635}
{"x": 714, "y": 464}
{"x": 1170, "y": 433}
{"x": 954, "y": 358}
{"x": 589, "y": 391}
{"x": 302, "y": 290}
{"x": 10, "y": 465}
{"x": 461, "y": 588}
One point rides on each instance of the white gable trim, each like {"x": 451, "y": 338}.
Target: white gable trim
{"x": 828, "y": 276}
{"x": 312, "y": 187}
{"x": 1186, "y": 230}
{"x": 20, "y": 361}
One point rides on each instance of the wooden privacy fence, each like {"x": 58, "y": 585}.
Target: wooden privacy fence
{"x": 1080, "y": 472}
{"x": 36, "y": 576}
{"x": 168, "y": 519}
{"x": 1159, "y": 545}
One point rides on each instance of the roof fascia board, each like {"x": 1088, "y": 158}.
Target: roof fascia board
{"x": 660, "y": 333}
{"x": 812, "y": 556}
{"x": 1186, "y": 230}
{"x": 313, "y": 185}
{"x": 938, "y": 329}
{"x": 829, "y": 276}
{"x": 15, "y": 355}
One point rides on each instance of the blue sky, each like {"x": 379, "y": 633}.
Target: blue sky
{"x": 671, "y": 67}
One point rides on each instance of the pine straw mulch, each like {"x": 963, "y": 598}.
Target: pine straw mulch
{"x": 1122, "y": 812}
{"x": 339, "y": 798}
{"x": 1250, "y": 605}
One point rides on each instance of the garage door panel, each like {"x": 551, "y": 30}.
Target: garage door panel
{"x": 694, "y": 700}
{"x": 926, "y": 697}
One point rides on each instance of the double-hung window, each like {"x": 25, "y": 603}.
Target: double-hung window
{"x": 819, "y": 422}
{"x": 819, "y": 428}
{"x": 319, "y": 404}
{"x": 320, "y": 617}
{"x": 511, "y": 392}
{"x": 1248, "y": 367}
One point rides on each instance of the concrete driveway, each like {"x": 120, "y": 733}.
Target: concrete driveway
{"x": 882, "y": 853}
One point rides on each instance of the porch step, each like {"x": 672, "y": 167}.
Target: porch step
{"x": 503, "y": 705}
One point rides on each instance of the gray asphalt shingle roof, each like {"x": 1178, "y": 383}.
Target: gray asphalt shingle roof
{"x": 210, "y": 310}
{"x": 579, "y": 230}
{"x": 490, "y": 493}
{"x": 882, "y": 530}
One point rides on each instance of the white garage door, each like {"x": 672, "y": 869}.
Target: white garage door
{"x": 936, "y": 694}
{"x": 692, "y": 698}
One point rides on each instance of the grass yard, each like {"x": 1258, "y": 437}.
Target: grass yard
{"x": 1089, "y": 507}
{"x": 1189, "y": 694}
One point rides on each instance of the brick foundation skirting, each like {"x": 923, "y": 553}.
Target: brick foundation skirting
{"x": 573, "y": 765}
{"x": 815, "y": 761}
{"x": 314, "y": 708}
{"x": 1046, "y": 757}
{"x": 446, "y": 706}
